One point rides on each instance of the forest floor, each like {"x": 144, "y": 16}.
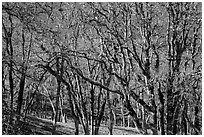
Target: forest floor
{"x": 39, "y": 126}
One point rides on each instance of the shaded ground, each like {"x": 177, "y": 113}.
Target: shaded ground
{"x": 44, "y": 127}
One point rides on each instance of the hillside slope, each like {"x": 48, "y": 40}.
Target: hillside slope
{"x": 38, "y": 126}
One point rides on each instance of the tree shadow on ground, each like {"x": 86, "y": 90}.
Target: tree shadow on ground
{"x": 45, "y": 127}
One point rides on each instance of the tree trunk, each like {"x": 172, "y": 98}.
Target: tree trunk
{"x": 184, "y": 123}
{"x": 11, "y": 89}
{"x": 162, "y": 120}
{"x": 20, "y": 95}
{"x": 74, "y": 115}
{"x": 57, "y": 102}
{"x": 76, "y": 124}
{"x": 161, "y": 110}
{"x": 92, "y": 110}
{"x": 170, "y": 108}
{"x": 176, "y": 113}
{"x": 99, "y": 119}
{"x": 123, "y": 117}
{"x": 61, "y": 111}
{"x": 155, "y": 131}
{"x": 58, "y": 91}
{"x": 128, "y": 124}
{"x": 111, "y": 118}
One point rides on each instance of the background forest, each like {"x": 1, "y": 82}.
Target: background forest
{"x": 98, "y": 66}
